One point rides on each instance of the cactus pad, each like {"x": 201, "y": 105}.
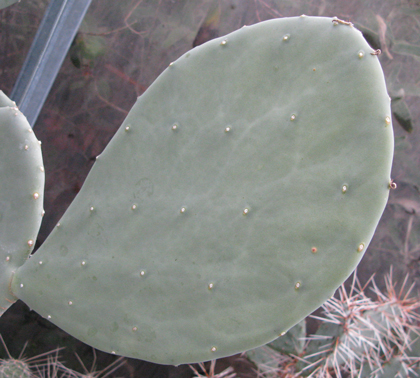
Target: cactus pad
{"x": 21, "y": 193}
{"x": 241, "y": 190}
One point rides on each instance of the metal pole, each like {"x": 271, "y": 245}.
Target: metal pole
{"x": 52, "y": 41}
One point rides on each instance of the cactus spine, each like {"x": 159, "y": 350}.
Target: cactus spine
{"x": 358, "y": 335}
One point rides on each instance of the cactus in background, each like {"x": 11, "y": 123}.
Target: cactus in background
{"x": 14, "y": 369}
{"x": 21, "y": 194}
{"x": 227, "y": 373}
{"x": 246, "y": 183}
{"x": 92, "y": 372}
{"x": 45, "y": 365}
{"x": 357, "y": 335}
{"x": 48, "y": 365}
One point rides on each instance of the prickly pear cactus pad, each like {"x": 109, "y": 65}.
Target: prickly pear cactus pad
{"x": 21, "y": 193}
{"x": 242, "y": 189}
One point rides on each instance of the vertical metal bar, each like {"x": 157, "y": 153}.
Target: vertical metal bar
{"x": 52, "y": 41}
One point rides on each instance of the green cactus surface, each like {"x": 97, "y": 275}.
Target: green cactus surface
{"x": 6, "y": 101}
{"x": 241, "y": 190}
{"x": 21, "y": 193}
{"x": 6, "y": 3}
{"x": 14, "y": 369}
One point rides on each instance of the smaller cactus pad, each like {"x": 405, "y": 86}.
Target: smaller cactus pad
{"x": 21, "y": 193}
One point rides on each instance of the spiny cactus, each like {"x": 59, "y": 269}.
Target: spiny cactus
{"x": 93, "y": 373}
{"x": 14, "y": 369}
{"x": 245, "y": 183}
{"x": 32, "y": 367}
{"x": 202, "y": 371}
{"x": 48, "y": 365}
{"x": 358, "y": 336}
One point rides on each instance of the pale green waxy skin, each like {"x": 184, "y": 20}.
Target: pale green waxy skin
{"x": 21, "y": 194}
{"x": 6, "y": 3}
{"x": 242, "y": 189}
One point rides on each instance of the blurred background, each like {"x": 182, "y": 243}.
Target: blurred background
{"x": 120, "y": 49}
